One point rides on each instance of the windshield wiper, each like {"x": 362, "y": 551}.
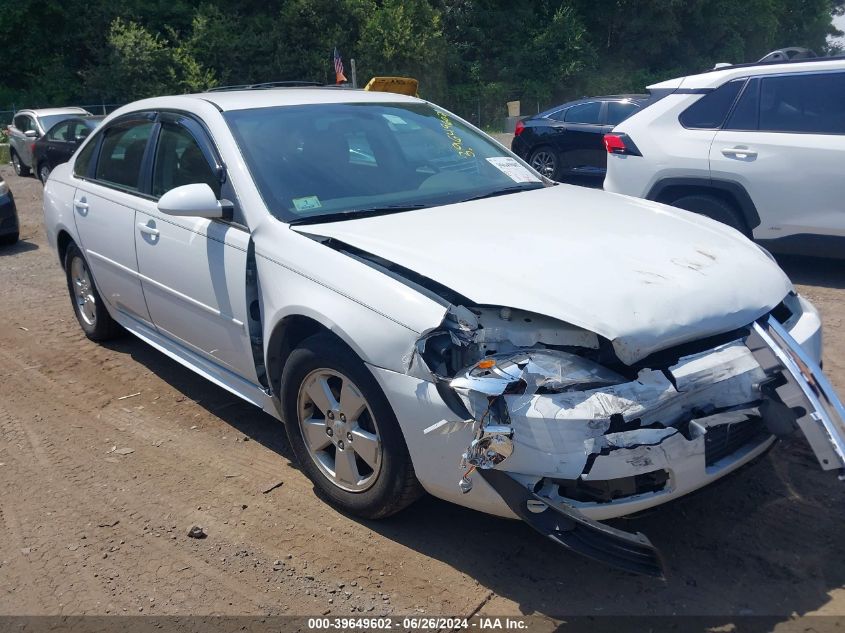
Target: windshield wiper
{"x": 354, "y": 214}
{"x": 505, "y": 191}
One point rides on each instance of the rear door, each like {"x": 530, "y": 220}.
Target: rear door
{"x": 785, "y": 143}
{"x": 109, "y": 172}
{"x": 59, "y": 144}
{"x": 581, "y": 146}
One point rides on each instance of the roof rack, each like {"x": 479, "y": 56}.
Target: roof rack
{"x": 272, "y": 84}
{"x": 789, "y": 55}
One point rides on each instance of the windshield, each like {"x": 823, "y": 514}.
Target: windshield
{"x": 323, "y": 162}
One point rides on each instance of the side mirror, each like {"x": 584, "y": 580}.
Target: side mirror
{"x": 197, "y": 200}
{"x": 31, "y": 134}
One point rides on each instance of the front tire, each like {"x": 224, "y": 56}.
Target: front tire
{"x": 91, "y": 312}
{"x": 11, "y": 238}
{"x": 343, "y": 431}
{"x": 20, "y": 168}
{"x": 714, "y": 208}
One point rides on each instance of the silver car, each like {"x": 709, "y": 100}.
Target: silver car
{"x": 30, "y": 125}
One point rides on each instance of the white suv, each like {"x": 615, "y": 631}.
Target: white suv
{"x": 759, "y": 147}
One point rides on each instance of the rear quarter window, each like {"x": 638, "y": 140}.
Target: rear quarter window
{"x": 710, "y": 111}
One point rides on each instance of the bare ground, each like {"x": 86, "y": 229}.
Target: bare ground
{"x": 88, "y": 528}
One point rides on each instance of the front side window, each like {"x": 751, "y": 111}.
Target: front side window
{"x": 808, "y": 103}
{"x": 121, "y": 154}
{"x": 180, "y": 161}
{"x": 313, "y": 161}
{"x": 59, "y": 132}
{"x": 709, "y": 112}
{"x": 584, "y": 113}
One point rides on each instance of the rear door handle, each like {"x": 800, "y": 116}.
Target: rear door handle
{"x": 80, "y": 205}
{"x": 739, "y": 152}
{"x": 147, "y": 229}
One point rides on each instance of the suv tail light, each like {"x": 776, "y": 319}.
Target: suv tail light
{"x": 620, "y": 144}
{"x": 520, "y": 126}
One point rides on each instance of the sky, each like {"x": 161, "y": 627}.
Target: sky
{"x": 839, "y": 23}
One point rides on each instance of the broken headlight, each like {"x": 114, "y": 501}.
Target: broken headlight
{"x": 483, "y": 387}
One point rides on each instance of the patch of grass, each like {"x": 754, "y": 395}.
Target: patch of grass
{"x": 4, "y": 154}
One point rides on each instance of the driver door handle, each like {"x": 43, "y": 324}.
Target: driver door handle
{"x": 739, "y": 152}
{"x": 148, "y": 230}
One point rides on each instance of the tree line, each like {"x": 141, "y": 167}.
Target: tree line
{"x": 469, "y": 55}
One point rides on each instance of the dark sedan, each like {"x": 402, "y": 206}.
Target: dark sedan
{"x": 9, "y": 225}
{"x": 60, "y": 142}
{"x": 567, "y": 141}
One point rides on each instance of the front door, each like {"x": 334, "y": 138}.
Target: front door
{"x": 194, "y": 269}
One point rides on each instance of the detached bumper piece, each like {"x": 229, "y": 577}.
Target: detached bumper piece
{"x": 567, "y": 527}
{"x": 800, "y": 385}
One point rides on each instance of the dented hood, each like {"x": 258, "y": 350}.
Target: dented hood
{"x": 644, "y": 275}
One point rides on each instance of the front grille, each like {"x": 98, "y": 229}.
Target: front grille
{"x": 726, "y": 439}
{"x": 606, "y": 490}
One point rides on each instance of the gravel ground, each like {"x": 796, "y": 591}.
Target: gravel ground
{"x": 98, "y": 491}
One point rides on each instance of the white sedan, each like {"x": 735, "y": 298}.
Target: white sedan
{"x": 427, "y": 313}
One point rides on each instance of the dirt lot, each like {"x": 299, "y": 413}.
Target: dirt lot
{"x": 87, "y": 527}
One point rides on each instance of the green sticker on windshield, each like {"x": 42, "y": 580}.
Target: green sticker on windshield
{"x": 307, "y": 203}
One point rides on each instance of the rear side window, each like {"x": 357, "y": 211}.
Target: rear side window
{"x": 746, "y": 112}
{"x": 810, "y": 104}
{"x": 584, "y": 113}
{"x": 83, "y": 161}
{"x": 618, "y": 111}
{"x": 709, "y": 112}
{"x": 122, "y": 152}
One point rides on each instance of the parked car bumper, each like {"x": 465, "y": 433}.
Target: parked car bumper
{"x": 9, "y": 223}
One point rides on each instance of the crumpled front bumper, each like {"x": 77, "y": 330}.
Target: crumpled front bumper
{"x": 663, "y": 422}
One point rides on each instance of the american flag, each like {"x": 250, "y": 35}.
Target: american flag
{"x": 338, "y": 68}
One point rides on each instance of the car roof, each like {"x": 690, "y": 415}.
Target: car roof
{"x": 717, "y": 76}
{"x": 621, "y": 97}
{"x": 229, "y": 100}
{"x": 49, "y": 111}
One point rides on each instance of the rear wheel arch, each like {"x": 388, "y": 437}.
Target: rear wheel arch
{"x": 63, "y": 242}
{"x": 731, "y": 193}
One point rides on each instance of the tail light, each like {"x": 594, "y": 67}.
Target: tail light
{"x": 620, "y": 144}
{"x": 520, "y": 126}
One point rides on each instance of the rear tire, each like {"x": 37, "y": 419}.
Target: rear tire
{"x": 380, "y": 485}
{"x": 714, "y": 208}
{"x": 88, "y": 306}
{"x": 44, "y": 173}
{"x": 20, "y": 168}
{"x": 545, "y": 160}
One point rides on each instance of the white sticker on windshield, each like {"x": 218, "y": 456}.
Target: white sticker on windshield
{"x": 512, "y": 169}
{"x": 307, "y": 203}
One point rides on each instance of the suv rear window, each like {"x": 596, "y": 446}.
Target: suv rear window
{"x": 709, "y": 112}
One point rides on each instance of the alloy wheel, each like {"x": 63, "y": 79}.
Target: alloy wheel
{"x": 545, "y": 162}
{"x": 339, "y": 430}
{"x": 83, "y": 291}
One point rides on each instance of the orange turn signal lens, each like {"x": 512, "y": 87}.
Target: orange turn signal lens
{"x": 487, "y": 363}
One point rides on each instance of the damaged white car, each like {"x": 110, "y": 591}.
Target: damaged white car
{"x": 425, "y": 312}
